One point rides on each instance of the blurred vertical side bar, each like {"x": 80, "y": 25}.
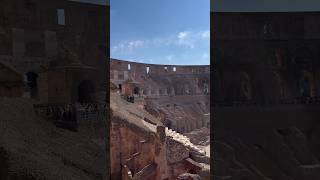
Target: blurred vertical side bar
{"x": 212, "y": 94}
{"x": 54, "y": 71}
{"x": 108, "y": 94}
{"x": 266, "y": 91}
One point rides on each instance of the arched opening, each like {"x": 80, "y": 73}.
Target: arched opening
{"x": 168, "y": 91}
{"x": 192, "y": 171}
{"x": 32, "y": 84}
{"x": 306, "y": 85}
{"x": 279, "y": 54}
{"x": 136, "y": 90}
{"x": 278, "y": 86}
{"x": 168, "y": 124}
{"x": 186, "y": 89}
{"x": 148, "y": 69}
{"x": 205, "y": 88}
{"x": 145, "y": 91}
{"x": 85, "y": 91}
{"x": 120, "y": 87}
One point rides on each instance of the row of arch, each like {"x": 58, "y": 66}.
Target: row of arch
{"x": 85, "y": 88}
{"x": 177, "y": 89}
{"x": 275, "y": 56}
{"x": 275, "y": 86}
{"x": 185, "y": 127}
{"x": 148, "y": 69}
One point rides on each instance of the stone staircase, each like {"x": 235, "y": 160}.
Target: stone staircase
{"x": 183, "y": 140}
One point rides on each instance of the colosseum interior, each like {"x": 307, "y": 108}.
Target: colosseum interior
{"x": 266, "y": 95}
{"x": 165, "y": 133}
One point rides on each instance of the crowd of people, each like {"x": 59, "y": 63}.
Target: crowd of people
{"x": 68, "y": 112}
{"x": 130, "y": 98}
{"x": 70, "y": 115}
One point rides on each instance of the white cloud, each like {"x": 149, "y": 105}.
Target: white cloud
{"x": 205, "y": 34}
{"x": 128, "y": 46}
{"x": 183, "y": 34}
{"x": 186, "y": 39}
{"x": 135, "y": 44}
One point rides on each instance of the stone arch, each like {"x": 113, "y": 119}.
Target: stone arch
{"x": 149, "y": 91}
{"x": 32, "y": 83}
{"x": 168, "y": 123}
{"x": 278, "y": 86}
{"x": 306, "y": 84}
{"x": 169, "y": 91}
{"x": 86, "y": 90}
{"x": 197, "y": 124}
{"x": 278, "y": 57}
{"x": 136, "y": 90}
{"x": 186, "y": 89}
{"x": 161, "y": 91}
{"x": 120, "y": 88}
{"x": 177, "y": 88}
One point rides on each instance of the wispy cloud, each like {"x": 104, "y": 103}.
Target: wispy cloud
{"x": 183, "y": 35}
{"x": 183, "y": 39}
{"x": 186, "y": 39}
{"x": 205, "y": 34}
{"x": 127, "y": 47}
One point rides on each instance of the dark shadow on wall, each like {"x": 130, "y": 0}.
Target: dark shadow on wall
{"x": 32, "y": 83}
{"x": 85, "y": 91}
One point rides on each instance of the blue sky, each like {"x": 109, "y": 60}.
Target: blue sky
{"x": 161, "y": 32}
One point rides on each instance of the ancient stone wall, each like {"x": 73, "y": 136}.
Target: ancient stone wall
{"x": 265, "y": 57}
{"x": 11, "y": 81}
{"x": 35, "y": 33}
{"x": 134, "y": 149}
{"x": 266, "y": 89}
{"x": 162, "y": 80}
{"x": 183, "y": 113}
